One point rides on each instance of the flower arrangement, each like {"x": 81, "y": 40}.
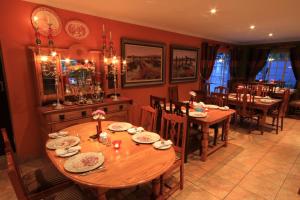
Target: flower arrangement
{"x": 193, "y": 94}
{"x": 98, "y": 115}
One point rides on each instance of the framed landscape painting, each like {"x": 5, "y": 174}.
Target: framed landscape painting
{"x": 145, "y": 63}
{"x": 183, "y": 64}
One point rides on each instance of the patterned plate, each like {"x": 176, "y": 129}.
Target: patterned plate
{"x": 63, "y": 142}
{"x": 119, "y": 126}
{"x": 84, "y": 162}
{"x": 198, "y": 114}
{"x": 146, "y": 137}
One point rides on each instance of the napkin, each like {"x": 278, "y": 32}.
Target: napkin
{"x": 58, "y": 134}
{"x": 64, "y": 151}
{"x": 164, "y": 143}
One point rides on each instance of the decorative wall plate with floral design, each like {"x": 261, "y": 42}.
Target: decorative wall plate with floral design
{"x": 45, "y": 17}
{"x": 77, "y": 29}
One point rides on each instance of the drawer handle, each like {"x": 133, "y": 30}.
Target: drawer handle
{"x": 61, "y": 117}
{"x": 83, "y": 113}
{"x": 105, "y": 110}
{"x": 121, "y": 107}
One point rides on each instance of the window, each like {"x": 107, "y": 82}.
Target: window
{"x": 278, "y": 68}
{"x": 220, "y": 74}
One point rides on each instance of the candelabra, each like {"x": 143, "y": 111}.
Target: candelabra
{"x": 111, "y": 60}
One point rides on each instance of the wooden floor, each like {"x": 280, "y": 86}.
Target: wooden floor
{"x": 253, "y": 166}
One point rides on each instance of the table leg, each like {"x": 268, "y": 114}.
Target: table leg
{"x": 226, "y": 131}
{"x": 204, "y": 142}
{"x": 101, "y": 194}
{"x": 156, "y": 188}
{"x": 263, "y": 119}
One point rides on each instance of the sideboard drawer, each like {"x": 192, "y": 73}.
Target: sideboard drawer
{"x": 78, "y": 114}
{"x": 58, "y": 126}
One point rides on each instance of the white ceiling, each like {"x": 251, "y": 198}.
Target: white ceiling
{"x": 192, "y": 17}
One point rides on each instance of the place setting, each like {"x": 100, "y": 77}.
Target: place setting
{"x": 85, "y": 163}
{"x": 119, "y": 126}
{"x": 65, "y": 145}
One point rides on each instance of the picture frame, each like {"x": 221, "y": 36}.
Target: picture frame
{"x": 183, "y": 64}
{"x": 145, "y": 62}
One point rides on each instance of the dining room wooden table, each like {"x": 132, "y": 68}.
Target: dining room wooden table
{"x": 130, "y": 165}
{"x": 258, "y": 105}
{"x": 214, "y": 116}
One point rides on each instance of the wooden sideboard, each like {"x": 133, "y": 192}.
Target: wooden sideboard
{"x": 54, "y": 120}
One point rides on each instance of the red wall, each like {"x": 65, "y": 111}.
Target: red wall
{"x": 17, "y": 33}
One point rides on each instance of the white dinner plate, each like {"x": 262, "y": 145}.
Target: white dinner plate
{"x": 119, "y": 126}
{"x": 266, "y": 100}
{"x": 146, "y": 137}
{"x": 68, "y": 154}
{"x": 224, "y": 108}
{"x": 63, "y": 142}
{"x": 211, "y": 106}
{"x": 84, "y": 162}
{"x": 198, "y": 114}
{"x": 158, "y": 145}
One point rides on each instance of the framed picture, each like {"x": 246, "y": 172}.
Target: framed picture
{"x": 145, "y": 63}
{"x": 183, "y": 64}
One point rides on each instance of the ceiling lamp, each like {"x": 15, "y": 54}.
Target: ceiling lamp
{"x": 252, "y": 27}
{"x": 213, "y": 11}
{"x": 270, "y": 34}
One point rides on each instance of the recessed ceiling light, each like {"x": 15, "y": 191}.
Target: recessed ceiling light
{"x": 213, "y": 11}
{"x": 252, "y": 27}
{"x": 270, "y": 34}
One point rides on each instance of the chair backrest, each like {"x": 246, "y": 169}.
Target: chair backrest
{"x": 261, "y": 90}
{"x": 205, "y": 88}
{"x": 221, "y": 90}
{"x": 179, "y": 108}
{"x": 159, "y": 104}
{"x": 173, "y": 93}
{"x": 284, "y": 104}
{"x": 13, "y": 169}
{"x": 174, "y": 127}
{"x": 218, "y": 99}
{"x": 244, "y": 97}
{"x": 148, "y": 118}
{"x": 220, "y": 96}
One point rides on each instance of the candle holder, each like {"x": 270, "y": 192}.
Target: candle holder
{"x": 117, "y": 144}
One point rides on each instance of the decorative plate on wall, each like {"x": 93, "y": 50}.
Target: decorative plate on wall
{"x": 77, "y": 29}
{"x": 45, "y": 17}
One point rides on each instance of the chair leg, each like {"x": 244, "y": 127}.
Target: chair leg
{"x": 216, "y": 133}
{"x": 273, "y": 121}
{"x": 181, "y": 177}
{"x": 259, "y": 126}
{"x": 281, "y": 126}
{"x": 277, "y": 124}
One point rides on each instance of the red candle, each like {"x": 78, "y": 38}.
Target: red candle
{"x": 117, "y": 144}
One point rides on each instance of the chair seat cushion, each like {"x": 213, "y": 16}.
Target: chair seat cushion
{"x": 71, "y": 193}
{"x": 42, "y": 179}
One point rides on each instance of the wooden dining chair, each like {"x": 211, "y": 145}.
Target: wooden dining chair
{"x": 174, "y": 127}
{"x": 221, "y": 90}
{"x": 245, "y": 107}
{"x": 43, "y": 187}
{"x": 148, "y": 118}
{"x": 280, "y": 112}
{"x": 159, "y": 104}
{"x": 173, "y": 93}
{"x": 193, "y": 132}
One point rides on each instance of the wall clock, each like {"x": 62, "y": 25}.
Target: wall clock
{"x": 77, "y": 29}
{"x": 42, "y": 17}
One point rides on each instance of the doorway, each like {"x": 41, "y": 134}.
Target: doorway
{"x": 5, "y": 118}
